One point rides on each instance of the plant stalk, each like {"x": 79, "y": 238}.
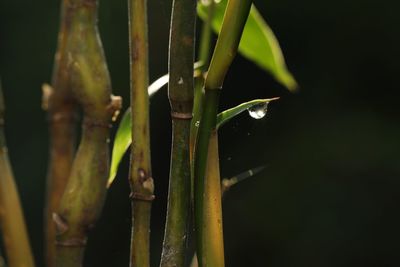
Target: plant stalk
{"x": 235, "y": 17}
{"x": 180, "y": 93}
{"x": 88, "y": 76}
{"x": 208, "y": 213}
{"x": 62, "y": 117}
{"x": 140, "y": 177}
{"x": 208, "y": 210}
{"x": 204, "y": 58}
{"x": 226, "y": 184}
{"x": 12, "y": 222}
{"x": 213, "y": 251}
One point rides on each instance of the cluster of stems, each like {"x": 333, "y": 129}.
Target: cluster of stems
{"x": 77, "y": 178}
{"x": 200, "y": 163}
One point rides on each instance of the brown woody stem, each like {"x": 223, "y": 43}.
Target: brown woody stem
{"x": 140, "y": 176}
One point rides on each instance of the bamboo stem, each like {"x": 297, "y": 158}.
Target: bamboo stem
{"x": 235, "y": 17}
{"x": 209, "y": 244}
{"x": 12, "y": 222}
{"x": 208, "y": 210}
{"x": 62, "y": 116}
{"x": 140, "y": 176}
{"x": 213, "y": 251}
{"x": 226, "y": 184}
{"x": 204, "y": 58}
{"x": 180, "y": 92}
{"x": 89, "y": 79}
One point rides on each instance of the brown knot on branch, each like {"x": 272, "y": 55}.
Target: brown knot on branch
{"x": 115, "y": 106}
{"x": 47, "y": 91}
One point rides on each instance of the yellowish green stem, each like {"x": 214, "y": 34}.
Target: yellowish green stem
{"x": 207, "y": 198}
{"x": 12, "y": 222}
{"x": 140, "y": 176}
{"x": 204, "y": 59}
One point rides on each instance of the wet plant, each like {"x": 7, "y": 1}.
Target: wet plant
{"x": 78, "y": 179}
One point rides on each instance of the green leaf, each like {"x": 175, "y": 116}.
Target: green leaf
{"x": 258, "y": 42}
{"x": 123, "y": 138}
{"x": 228, "y": 114}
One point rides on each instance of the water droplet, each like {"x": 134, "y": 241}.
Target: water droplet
{"x": 258, "y": 111}
{"x": 180, "y": 81}
{"x": 197, "y": 123}
{"x": 229, "y": 158}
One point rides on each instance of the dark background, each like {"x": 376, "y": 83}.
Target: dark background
{"x": 330, "y": 193}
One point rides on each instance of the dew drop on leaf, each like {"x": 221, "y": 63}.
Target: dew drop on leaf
{"x": 258, "y": 111}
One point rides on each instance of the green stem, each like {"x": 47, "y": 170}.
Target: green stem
{"x": 12, "y": 222}
{"x": 209, "y": 244}
{"x": 235, "y": 17}
{"x": 180, "y": 93}
{"x": 88, "y": 76}
{"x": 204, "y": 59}
{"x": 213, "y": 247}
{"x": 140, "y": 177}
{"x": 62, "y": 118}
{"x": 226, "y": 184}
{"x": 208, "y": 211}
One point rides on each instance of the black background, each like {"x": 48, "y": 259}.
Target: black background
{"x": 329, "y": 195}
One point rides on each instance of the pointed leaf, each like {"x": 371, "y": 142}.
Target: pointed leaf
{"x": 228, "y": 114}
{"x": 123, "y": 140}
{"x": 258, "y": 42}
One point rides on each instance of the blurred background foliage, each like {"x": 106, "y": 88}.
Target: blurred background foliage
{"x": 329, "y": 195}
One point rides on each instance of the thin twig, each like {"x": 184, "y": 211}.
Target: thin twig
{"x": 140, "y": 177}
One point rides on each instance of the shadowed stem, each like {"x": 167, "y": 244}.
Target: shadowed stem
{"x": 62, "y": 119}
{"x": 180, "y": 93}
{"x": 12, "y": 222}
{"x": 2, "y": 263}
{"x": 140, "y": 176}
